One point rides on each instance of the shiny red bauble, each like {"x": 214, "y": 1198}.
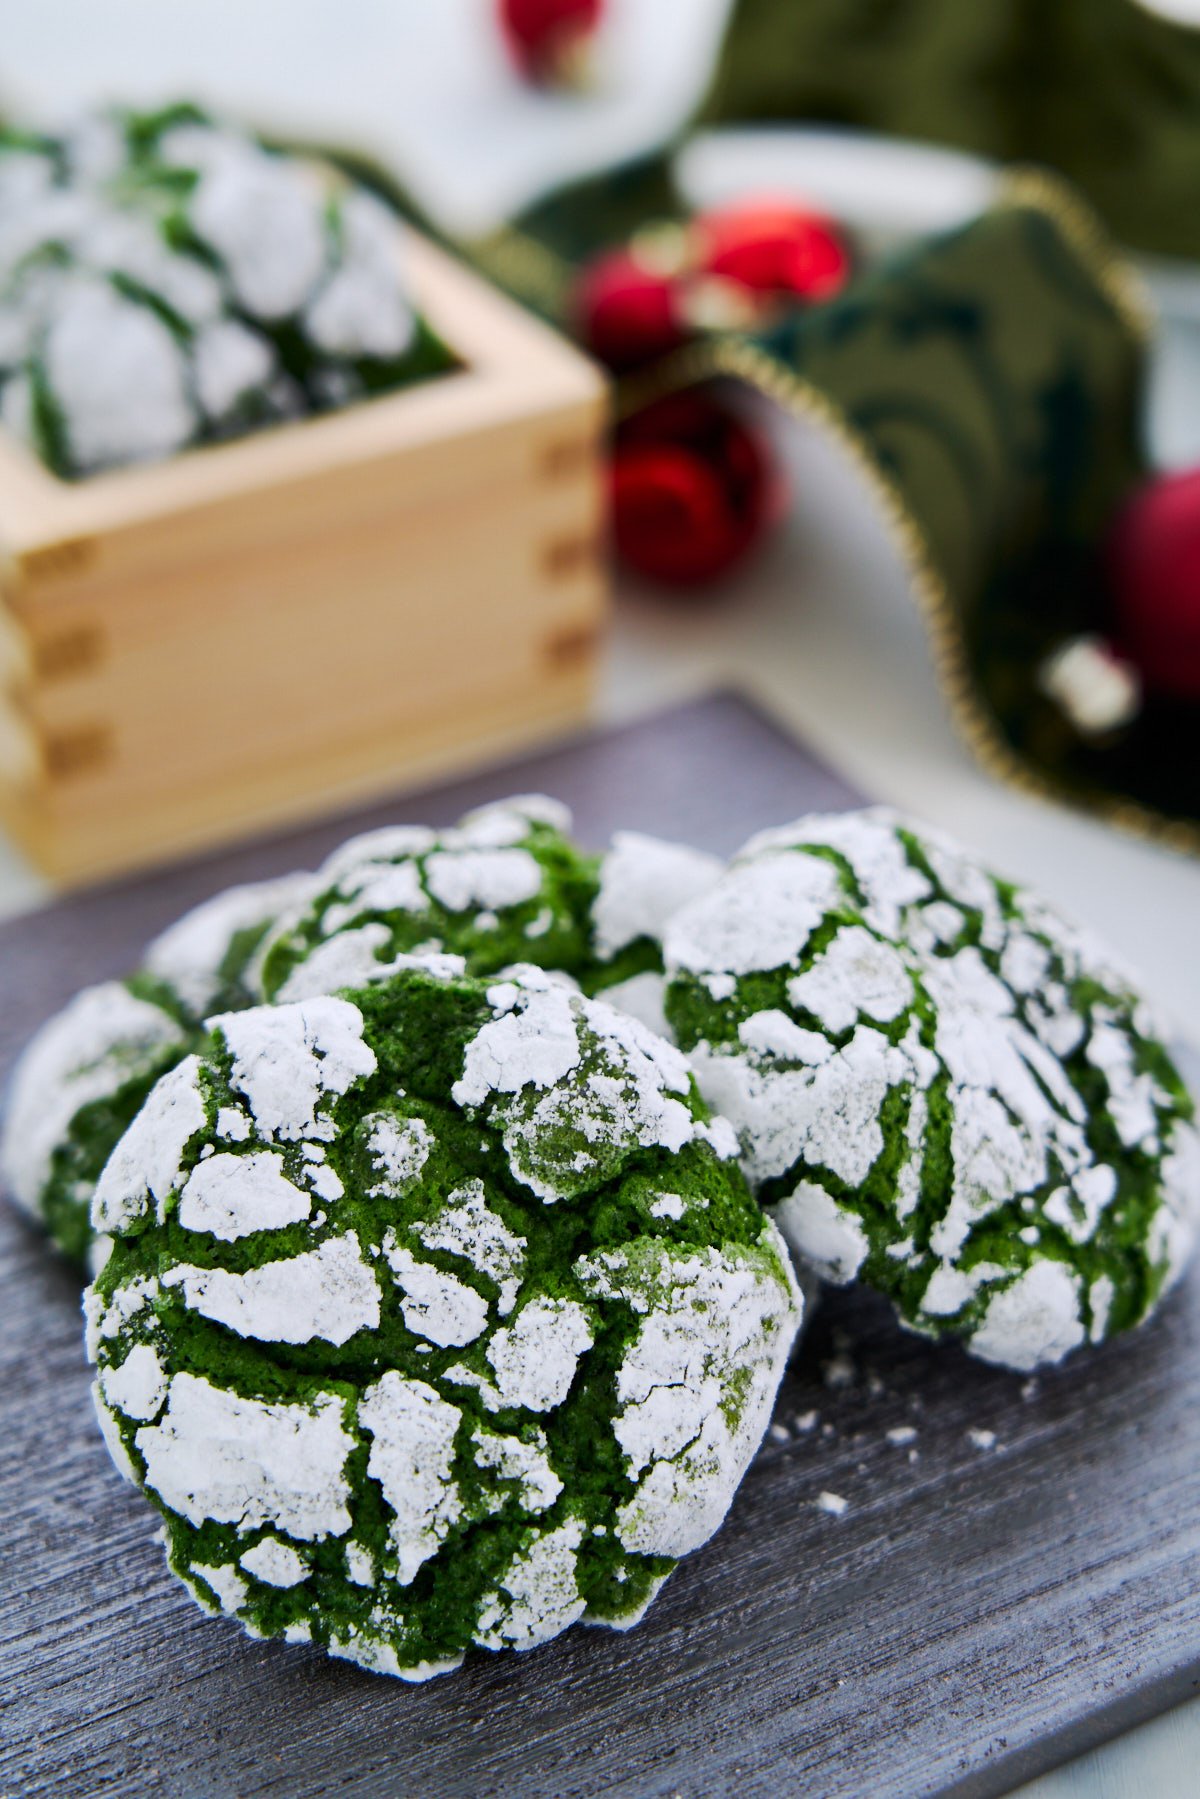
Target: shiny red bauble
{"x": 728, "y": 270}
{"x": 1153, "y": 562}
{"x": 691, "y": 490}
{"x": 547, "y": 39}
{"x": 625, "y": 313}
{"x": 775, "y": 249}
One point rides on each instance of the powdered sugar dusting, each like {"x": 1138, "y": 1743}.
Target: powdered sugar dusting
{"x": 467, "y": 1226}
{"x": 230, "y": 1196}
{"x": 696, "y": 1385}
{"x": 328, "y": 1292}
{"x": 857, "y": 974}
{"x": 249, "y": 1462}
{"x": 829, "y": 1236}
{"x": 759, "y": 916}
{"x": 824, "y": 1117}
{"x": 138, "y": 1385}
{"x": 288, "y": 1059}
{"x": 531, "y": 1042}
{"x": 535, "y": 1357}
{"x": 642, "y": 996}
{"x": 643, "y": 881}
{"x": 103, "y": 1038}
{"x": 538, "y": 1596}
{"x": 399, "y": 1149}
{"x": 493, "y": 878}
{"x": 1034, "y": 1322}
{"x": 188, "y": 956}
{"x": 275, "y": 1562}
{"x": 525, "y": 1463}
{"x": 145, "y": 1167}
{"x": 578, "y": 1086}
{"x": 412, "y": 1457}
{"x": 435, "y": 1305}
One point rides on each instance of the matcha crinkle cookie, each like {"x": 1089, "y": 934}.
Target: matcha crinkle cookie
{"x": 641, "y": 883}
{"x": 438, "y": 1315}
{"x": 75, "y": 1089}
{"x": 208, "y": 959}
{"x": 166, "y": 280}
{"x": 941, "y": 1087}
{"x": 87, "y": 1071}
{"x": 504, "y": 885}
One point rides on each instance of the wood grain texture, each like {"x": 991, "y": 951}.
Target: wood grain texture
{"x": 976, "y": 1615}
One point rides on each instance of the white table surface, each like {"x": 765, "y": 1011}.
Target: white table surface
{"x": 821, "y": 630}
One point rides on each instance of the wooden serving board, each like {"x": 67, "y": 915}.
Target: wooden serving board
{"x": 974, "y": 1616}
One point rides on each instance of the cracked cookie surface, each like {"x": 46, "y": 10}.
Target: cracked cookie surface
{"x": 438, "y": 1316}
{"x": 941, "y": 1087}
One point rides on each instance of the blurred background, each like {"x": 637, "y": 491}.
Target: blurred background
{"x": 710, "y": 198}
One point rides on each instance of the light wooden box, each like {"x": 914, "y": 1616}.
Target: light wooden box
{"x": 259, "y": 631}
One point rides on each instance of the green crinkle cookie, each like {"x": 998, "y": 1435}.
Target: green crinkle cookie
{"x": 166, "y": 281}
{"x": 438, "y": 1315}
{"x": 85, "y": 1074}
{"x": 505, "y": 885}
{"x": 941, "y": 1087}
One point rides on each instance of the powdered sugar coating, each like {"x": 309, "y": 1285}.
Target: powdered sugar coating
{"x": 137, "y": 1386}
{"x": 326, "y": 1293}
{"x": 436, "y": 1305}
{"x": 289, "y": 1061}
{"x": 367, "y": 1329}
{"x": 183, "y": 284}
{"x": 486, "y": 879}
{"x": 503, "y": 879}
{"x": 697, "y": 1383}
{"x": 1035, "y": 1320}
{"x": 575, "y": 1087}
{"x": 362, "y": 311}
{"x": 522, "y": 1460}
{"x": 107, "y": 1039}
{"x": 642, "y": 996}
{"x": 231, "y": 1196}
{"x": 412, "y": 1457}
{"x": 929, "y": 1082}
{"x": 534, "y": 1359}
{"x": 94, "y": 390}
{"x": 759, "y": 916}
{"x": 399, "y": 1149}
{"x": 835, "y": 1243}
{"x": 537, "y": 1596}
{"x": 467, "y": 1226}
{"x": 146, "y": 1165}
{"x": 643, "y": 882}
{"x": 203, "y": 956}
{"x": 274, "y": 1562}
{"x": 248, "y": 1462}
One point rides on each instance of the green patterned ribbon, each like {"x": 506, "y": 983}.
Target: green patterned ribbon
{"x": 1105, "y": 91}
{"x": 989, "y": 384}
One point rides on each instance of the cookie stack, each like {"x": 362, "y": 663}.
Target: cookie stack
{"x": 437, "y": 1201}
{"x": 167, "y": 281}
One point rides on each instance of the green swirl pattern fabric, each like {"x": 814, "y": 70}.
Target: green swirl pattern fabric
{"x": 1102, "y": 90}
{"x": 990, "y": 385}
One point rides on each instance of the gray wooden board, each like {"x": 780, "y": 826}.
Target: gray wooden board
{"x": 974, "y": 1617}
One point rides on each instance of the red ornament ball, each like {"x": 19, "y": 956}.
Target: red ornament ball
{"x": 1153, "y": 560}
{"x": 547, "y": 39}
{"x": 625, "y": 313}
{"x": 775, "y": 249}
{"x": 691, "y": 490}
